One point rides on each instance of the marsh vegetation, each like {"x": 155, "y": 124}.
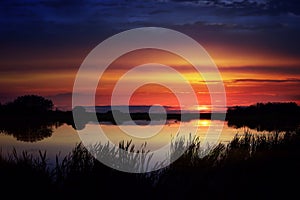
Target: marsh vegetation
{"x": 249, "y": 166}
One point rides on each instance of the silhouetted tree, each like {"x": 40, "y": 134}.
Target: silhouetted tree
{"x": 30, "y": 104}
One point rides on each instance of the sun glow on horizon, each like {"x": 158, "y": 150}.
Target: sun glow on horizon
{"x": 201, "y": 108}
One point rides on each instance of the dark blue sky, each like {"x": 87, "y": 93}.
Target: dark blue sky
{"x": 50, "y": 23}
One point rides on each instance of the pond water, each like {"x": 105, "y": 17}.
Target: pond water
{"x": 60, "y": 139}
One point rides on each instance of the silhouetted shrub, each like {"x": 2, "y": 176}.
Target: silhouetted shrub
{"x": 29, "y": 104}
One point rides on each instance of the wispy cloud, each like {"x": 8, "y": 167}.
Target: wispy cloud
{"x": 252, "y": 80}
{"x": 290, "y": 80}
{"x": 290, "y": 70}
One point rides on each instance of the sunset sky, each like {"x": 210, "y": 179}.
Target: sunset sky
{"x": 254, "y": 43}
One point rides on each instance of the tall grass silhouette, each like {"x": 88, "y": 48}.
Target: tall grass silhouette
{"x": 264, "y": 164}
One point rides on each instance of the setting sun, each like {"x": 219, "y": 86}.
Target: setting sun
{"x": 202, "y": 108}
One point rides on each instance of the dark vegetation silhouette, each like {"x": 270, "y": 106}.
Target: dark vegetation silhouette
{"x": 265, "y": 116}
{"x": 29, "y": 104}
{"x": 30, "y": 118}
{"x": 249, "y": 167}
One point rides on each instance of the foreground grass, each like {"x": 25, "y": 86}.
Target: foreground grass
{"x": 250, "y": 166}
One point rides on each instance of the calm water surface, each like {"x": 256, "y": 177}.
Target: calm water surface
{"x": 64, "y": 137}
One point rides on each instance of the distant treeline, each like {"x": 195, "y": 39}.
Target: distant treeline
{"x": 270, "y": 108}
{"x": 36, "y": 111}
{"x": 265, "y": 116}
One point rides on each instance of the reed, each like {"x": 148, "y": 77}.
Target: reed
{"x": 262, "y": 164}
